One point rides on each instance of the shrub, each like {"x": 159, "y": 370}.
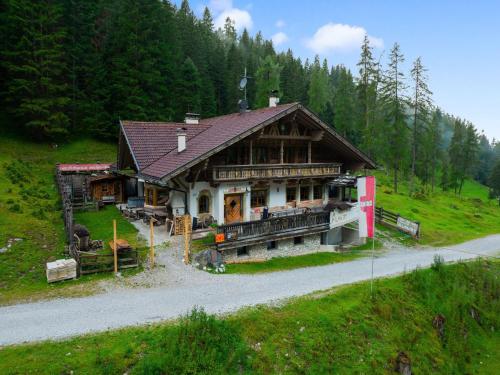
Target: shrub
{"x": 16, "y": 208}
{"x": 201, "y": 344}
{"x": 437, "y": 265}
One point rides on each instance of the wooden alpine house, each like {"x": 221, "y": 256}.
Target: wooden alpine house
{"x": 269, "y": 178}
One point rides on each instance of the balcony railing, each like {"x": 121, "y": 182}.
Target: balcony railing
{"x": 274, "y": 171}
{"x": 263, "y": 229}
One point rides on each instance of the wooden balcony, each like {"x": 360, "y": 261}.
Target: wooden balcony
{"x": 252, "y": 232}
{"x": 274, "y": 171}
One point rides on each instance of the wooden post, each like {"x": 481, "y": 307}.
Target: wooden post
{"x": 115, "y": 252}
{"x": 309, "y": 152}
{"x": 251, "y": 153}
{"x": 151, "y": 244}
{"x": 282, "y": 151}
{"x": 186, "y": 238}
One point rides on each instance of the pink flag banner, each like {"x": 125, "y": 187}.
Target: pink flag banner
{"x": 366, "y": 199}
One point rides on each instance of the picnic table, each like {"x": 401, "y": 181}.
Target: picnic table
{"x": 120, "y": 245}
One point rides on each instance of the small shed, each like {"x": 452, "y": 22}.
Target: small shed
{"x": 107, "y": 188}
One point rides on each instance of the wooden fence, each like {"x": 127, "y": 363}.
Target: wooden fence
{"x": 398, "y": 222}
{"x": 67, "y": 207}
{"x": 89, "y": 262}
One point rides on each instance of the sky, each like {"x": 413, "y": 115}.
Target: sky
{"x": 458, "y": 41}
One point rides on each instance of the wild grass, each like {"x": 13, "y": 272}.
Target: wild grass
{"x": 343, "y": 330}
{"x": 445, "y": 218}
{"x": 30, "y": 210}
{"x": 300, "y": 261}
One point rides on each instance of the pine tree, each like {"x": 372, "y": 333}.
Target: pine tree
{"x": 188, "y": 90}
{"x": 368, "y": 81}
{"x": 421, "y": 103}
{"x": 318, "y": 88}
{"x": 267, "y": 80}
{"x": 432, "y": 147}
{"x": 394, "y": 101}
{"x": 344, "y": 105}
{"x": 34, "y": 60}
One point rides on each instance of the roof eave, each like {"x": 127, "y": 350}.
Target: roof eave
{"x": 232, "y": 141}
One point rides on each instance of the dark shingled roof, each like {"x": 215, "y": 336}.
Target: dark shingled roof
{"x": 149, "y": 141}
{"x": 154, "y": 144}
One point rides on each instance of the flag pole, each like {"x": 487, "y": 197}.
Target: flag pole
{"x": 373, "y": 236}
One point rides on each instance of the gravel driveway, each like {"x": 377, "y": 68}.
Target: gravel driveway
{"x": 177, "y": 291}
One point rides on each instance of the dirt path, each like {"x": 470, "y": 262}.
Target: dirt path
{"x": 174, "y": 289}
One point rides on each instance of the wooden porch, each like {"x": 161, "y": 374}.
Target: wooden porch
{"x": 251, "y": 232}
{"x": 224, "y": 173}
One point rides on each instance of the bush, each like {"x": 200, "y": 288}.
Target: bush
{"x": 16, "y": 208}
{"x": 201, "y": 344}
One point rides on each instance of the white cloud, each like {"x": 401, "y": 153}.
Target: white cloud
{"x": 279, "y": 38}
{"x": 224, "y": 9}
{"x": 280, "y": 24}
{"x": 340, "y": 37}
{"x": 242, "y": 19}
{"x": 220, "y": 5}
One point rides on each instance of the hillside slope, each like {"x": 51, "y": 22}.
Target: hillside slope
{"x": 445, "y": 217}
{"x": 30, "y": 208}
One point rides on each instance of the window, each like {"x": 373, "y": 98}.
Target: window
{"x": 271, "y": 245}
{"x": 304, "y": 193}
{"x": 258, "y": 198}
{"x": 318, "y": 192}
{"x": 298, "y": 240}
{"x": 291, "y": 194}
{"x": 241, "y": 251}
{"x": 204, "y": 204}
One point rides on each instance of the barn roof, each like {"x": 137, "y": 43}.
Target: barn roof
{"x": 76, "y": 167}
{"x": 153, "y": 145}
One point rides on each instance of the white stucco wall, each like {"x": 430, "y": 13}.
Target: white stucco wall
{"x": 194, "y": 194}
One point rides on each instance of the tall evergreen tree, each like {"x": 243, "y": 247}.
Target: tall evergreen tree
{"x": 394, "y": 102}
{"x": 367, "y": 93}
{"x": 188, "y": 93}
{"x": 36, "y": 87}
{"x": 267, "y": 80}
{"x": 344, "y": 105}
{"x": 421, "y": 104}
{"x": 318, "y": 89}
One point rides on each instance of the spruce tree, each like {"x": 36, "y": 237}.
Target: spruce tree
{"x": 318, "y": 89}
{"x": 421, "y": 103}
{"x": 367, "y": 93}
{"x": 267, "y": 80}
{"x": 394, "y": 101}
{"x": 188, "y": 93}
{"x": 36, "y": 89}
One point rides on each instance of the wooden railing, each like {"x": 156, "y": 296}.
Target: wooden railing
{"x": 275, "y": 225}
{"x": 398, "y": 222}
{"x": 263, "y": 171}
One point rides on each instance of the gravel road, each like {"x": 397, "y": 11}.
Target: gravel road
{"x": 182, "y": 288}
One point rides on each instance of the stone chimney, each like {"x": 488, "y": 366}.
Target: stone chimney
{"x": 273, "y": 98}
{"x": 192, "y": 118}
{"x": 181, "y": 139}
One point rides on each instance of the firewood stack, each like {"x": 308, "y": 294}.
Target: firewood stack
{"x": 61, "y": 269}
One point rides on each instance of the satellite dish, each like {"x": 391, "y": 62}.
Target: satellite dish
{"x": 243, "y": 83}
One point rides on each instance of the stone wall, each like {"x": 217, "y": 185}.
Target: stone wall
{"x": 284, "y": 248}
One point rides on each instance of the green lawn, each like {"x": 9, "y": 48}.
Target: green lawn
{"x": 100, "y": 226}
{"x": 300, "y": 261}
{"x": 445, "y": 218}
{"x": 30, "y": 210}
{"x": 340, "y": 331}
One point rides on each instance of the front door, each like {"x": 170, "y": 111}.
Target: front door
{"x": 232, "y": 208}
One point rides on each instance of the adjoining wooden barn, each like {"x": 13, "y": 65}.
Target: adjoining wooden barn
{"x": 91, "y": 183}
